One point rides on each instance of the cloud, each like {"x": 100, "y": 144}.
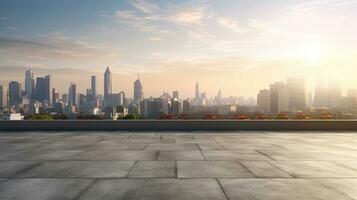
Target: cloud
{"x": 138, "y": 22}
{"x": 54, "y": 50}
{"x": 126, "y": 15}
{"x": 145, "y": 6}
{"x": 6, "y": 43}
{"x": 318, "y": 4}
{"x": 231, "y": 25}
{"x": 155, "y": 39}
{"x": 189, "y": 16}
{"x": 149, "y": 17}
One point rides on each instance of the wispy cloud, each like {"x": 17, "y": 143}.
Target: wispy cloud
{"x": 145, "y": 6}
{"x": 319, "y": 4}
{"x": 231, "y": 24}
{"x": 155, "y": 39}
{"x": 149, "y": 17}
{"x": 193, "y": 16}
{"x": 54, "y": 49}
{"x": 139, "y": 22}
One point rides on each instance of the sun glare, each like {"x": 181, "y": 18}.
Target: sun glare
{"x": 313, "y": 53}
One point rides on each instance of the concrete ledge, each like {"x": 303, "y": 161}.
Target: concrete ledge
{"x": 181, "y": 125}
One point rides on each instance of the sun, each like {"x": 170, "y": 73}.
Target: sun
{"x": 313, "y": 53}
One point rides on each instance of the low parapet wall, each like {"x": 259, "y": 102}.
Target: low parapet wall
{"x": 181, "y": 125}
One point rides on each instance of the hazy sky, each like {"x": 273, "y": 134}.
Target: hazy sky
{"x": 237, "y": 45}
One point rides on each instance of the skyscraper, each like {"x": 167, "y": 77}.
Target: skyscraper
{"x": 122, "y": 99}
{"x": 175, "y": 108}
{"x": 55, "y": 96}
{"x": 321, "y": 95}
{"x": 3, "y": 97}
{"x": 263, "y": 101}
{"x": 279, "y": 98}
{"x": 175, "y": 94}
{"x": 14, "y": 93}
{"x": 334, "y": 94}
{"x": 43, "y": 89}
{"x": 138, "y": 91}
{"x": 186, "y": 107}
{"x": 197, "y": 94}
{"x": 29, "y": 83}
{"x": 94, "y": 85}
{"x": 297, "y": 94}
{"x": 48, "y": 89}
{"x": 72, "y": 95}
{"x": 107, "y": 84}
{"x": 218, "y": 99}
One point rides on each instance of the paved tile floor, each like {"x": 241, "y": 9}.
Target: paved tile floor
{"x": 172, "y": 165}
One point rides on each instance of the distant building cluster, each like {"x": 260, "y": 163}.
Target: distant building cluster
{"x": 40, "y": 100}
{"x": 282, "y": 100}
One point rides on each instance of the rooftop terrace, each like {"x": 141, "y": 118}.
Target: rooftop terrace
{"x": 178, "y": 165}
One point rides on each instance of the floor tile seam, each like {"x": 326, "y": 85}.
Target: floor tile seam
{"x": 246, "y": 168}
{"x": 334, "y": 189}
{"x": 131, "y": 169}
{"x": 282, "y": 169}
{"x": 215, "y": 139}
{"x": 264, "y": 154}
{"x": 27, "y": 169}
{"x": 222, "y": 189}
{"x": 201, "y": 151}
{"x": 84, "y": 190}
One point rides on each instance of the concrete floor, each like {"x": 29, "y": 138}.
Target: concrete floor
{"x": 118, "y": 165}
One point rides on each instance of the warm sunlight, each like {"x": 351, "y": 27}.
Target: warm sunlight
{"x": 313, "y": 53}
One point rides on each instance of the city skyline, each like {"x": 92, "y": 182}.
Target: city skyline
{"x": 201, "y": 40}
{"x": 30, "y": 80}
{"x": 122, "y": 82}
{"x": 281, "y": 100}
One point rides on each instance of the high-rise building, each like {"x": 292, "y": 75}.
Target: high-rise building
{"x": 3, "y": 97}
{"x": 263, "y": 101}
{"x": 310, "y": 101}
{"x": 151, "y": 108}
{"x": 321, "y": 95}
{"x": 218, "y": 99}
{"x": 113, "y": 100}
{"x": 334, "y": 94}
{"x": 43, "y": 89}
{"x": 122, "y": 99}
{"x": 29, "y": 83}
{"x": 72, "y": 95}
{"x": 329, "y": 96}
{"x": 297, "y": 94}
{"x": 14, "y": 93}
{"x": 175, "y": 108}
{"x": 93, "y": 85}
{"x": 197, "y": 94}
{"x": 107, "y": 84}
{"x": 186, "y": 107}
{"x": 138, "y": 91}
{"x": 55, "y": 96}
{"x": 352, "y": 93}
{"x": 65, "y": 98}
{"x": 175, "y": 94}
{"x": 40, "y": 89}
{"x": 48, "y": 89}
{"x": 279, "y": 98}
{"x": 203, "y": 99}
